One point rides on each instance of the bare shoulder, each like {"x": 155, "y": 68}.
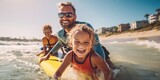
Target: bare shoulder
{"x": 95, "y": 55}
{"x": 95, "y": 59}
{"x": 43, "y": 38}
{"x": 69, "y": 55}
{"x": 54, "y": 36}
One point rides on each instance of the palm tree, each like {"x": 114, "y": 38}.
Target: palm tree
{"x": 158, "y": 11}
{"x": 146, "y": 16}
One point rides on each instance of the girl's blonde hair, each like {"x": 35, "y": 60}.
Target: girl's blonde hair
{"x": 80, "y": 27}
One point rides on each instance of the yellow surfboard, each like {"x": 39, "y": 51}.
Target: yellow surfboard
{"x": 51, "y": 65}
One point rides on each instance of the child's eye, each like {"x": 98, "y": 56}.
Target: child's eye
{"x": 86, "y": 43}
{"x": 76, "y": 42}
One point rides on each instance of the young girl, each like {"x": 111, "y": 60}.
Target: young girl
{"x": 82, "y": 57}
{"x": 48, "y": 40}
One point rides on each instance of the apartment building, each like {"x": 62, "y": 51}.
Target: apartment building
{"x": 123, "y": 27}
{"x": 138, "y": 24}
{"x": 101, "y": 30}
{"x": 153, "y": 18}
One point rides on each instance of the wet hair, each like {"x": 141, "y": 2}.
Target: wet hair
{"x": 63, "y": 4}
{"x": 80, "y": 27}
{"x": 47, "y": 26}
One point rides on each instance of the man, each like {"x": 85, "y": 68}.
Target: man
{"x": 67, "y": 15}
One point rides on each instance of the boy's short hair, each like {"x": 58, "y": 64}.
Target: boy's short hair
{"x": 62, "y": 4}
{"x": 47, "y": 26}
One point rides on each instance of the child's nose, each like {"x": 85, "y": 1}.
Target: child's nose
{"x": 81, "y": 45}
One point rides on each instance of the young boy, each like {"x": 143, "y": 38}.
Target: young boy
{"x": 48, "y": 40}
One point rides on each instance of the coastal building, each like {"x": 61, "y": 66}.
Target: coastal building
{"x": 112, "y": 29}
{"x": 153, "y": 18}
{"x": 123, "y": 27}
{"x": 158, "y": 17}
{"x": 138, "y": 24}
{"x": 101, "y": 30}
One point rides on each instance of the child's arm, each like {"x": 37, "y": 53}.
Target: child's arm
{"x": 55, "y": 48}
{"x": 97, "y": 61}
{"x": 64, "y": 65}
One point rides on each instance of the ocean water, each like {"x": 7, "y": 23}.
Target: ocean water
{"x": 18, "y": 61}
{"x": 138, "y": 60}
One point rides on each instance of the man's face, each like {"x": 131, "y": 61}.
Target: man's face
{"x": 67, "y": 17}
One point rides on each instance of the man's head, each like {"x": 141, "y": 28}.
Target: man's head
{"x": 67, "y": 14}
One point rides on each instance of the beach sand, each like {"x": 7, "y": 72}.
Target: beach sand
{"x": 133, "y": 35}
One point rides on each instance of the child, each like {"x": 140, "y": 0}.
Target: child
{"x": 49, "y": 40}
{"x": 82, "y": 57}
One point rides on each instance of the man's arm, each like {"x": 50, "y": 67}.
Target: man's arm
{"x": 98, "y": 47}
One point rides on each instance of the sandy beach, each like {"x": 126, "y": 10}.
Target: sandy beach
{"x": 135, "y": 35}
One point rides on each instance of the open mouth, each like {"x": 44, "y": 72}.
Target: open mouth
{"x": 65, "y": 22}
{"x": 81, "y": 51}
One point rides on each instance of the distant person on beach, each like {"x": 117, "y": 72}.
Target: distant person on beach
{"x": 48, "y": 40}
{"x": 82, "y": 57}
{"x": 67, "y": 18}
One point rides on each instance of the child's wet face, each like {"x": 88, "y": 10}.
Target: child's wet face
{"x": 81, "y": 43}
{"x": 47, "y": 32}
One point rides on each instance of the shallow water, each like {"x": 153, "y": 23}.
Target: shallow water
{"x": 18, "y": 62}
{"x": 139, "y": 60}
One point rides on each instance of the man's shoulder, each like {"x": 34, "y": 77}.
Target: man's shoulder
{"x": 60, "y": 33}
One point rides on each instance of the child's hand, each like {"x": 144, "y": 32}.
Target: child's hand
{"x": 42, "y": 59}
{"x": 56, "y": 78}
{"x": 38, "y": 54}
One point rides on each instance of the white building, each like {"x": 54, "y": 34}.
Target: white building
{"x": 159, "y": 18}
{"x": 101, "y": 30}
{"x": 153, "y": 18}
{"x": 138, "y": 24}
{"x": 123, "y": 27}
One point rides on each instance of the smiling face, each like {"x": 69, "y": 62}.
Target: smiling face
{"x": 67, "y": 22}
{"x": 47, "y": 32}
{"x": 81, "y": 43}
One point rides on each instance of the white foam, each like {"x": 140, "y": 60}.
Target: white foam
{"x": 19, "y": 43}
{"x": 149, "y": 44}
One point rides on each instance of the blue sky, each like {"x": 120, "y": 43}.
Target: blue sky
{"x": 25, "y": 18}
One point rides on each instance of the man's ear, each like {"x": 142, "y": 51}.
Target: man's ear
{"x": 75, "y": 16}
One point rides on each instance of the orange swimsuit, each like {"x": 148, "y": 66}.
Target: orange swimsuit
{"x": 49, "y": 42}
{"x": 85, "y": 66}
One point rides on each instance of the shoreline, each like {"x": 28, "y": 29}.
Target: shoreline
{"x": 152, "y": 35}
